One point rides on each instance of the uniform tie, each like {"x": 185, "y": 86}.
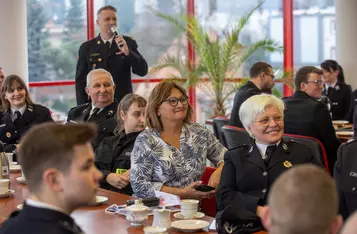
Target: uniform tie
{"x": 268, "y": 153}
{"x": 18, "y": 117}
{"x": 107, "y": 44}
{"x": 329, "y": 90}
{"x": 94, "y": 113}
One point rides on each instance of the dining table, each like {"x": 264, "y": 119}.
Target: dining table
{"x": 91, "y": 219}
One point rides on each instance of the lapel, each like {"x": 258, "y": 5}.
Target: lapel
{"x": 106, "y": 113}
{"x": 280, "y": 154}
{"x": 28, "y": 116}
{"x": 85, "y": 113}
{"x": 255, "y": 157}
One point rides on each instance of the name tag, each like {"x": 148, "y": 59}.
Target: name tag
{"x": 335, "y": 103}
{"x": 120, "y": 171}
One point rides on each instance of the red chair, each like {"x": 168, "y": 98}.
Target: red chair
{"x": 208, "y": 206}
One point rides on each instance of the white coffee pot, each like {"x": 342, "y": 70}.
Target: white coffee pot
{"x": 137, "y": 213}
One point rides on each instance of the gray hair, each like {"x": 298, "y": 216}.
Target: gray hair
{"x": 255, "y": 106}
{"x": 95, "y": 71}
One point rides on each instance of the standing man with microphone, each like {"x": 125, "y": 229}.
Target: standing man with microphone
{"x": 111, "y": 51}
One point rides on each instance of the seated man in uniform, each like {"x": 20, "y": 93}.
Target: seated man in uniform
{"x": 58, "y": 162}
{"x": 306, "y": 116}
{"x": 100, "y": 88}
{"x": 302, "y": 200}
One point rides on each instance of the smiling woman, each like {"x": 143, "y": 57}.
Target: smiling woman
{"x": 250, "y": 170}
{"x": 19, "y": 113}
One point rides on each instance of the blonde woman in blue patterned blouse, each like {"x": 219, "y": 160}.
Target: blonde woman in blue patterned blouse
{"x": 171, "y": 155}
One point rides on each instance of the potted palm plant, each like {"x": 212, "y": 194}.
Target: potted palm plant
{"x": 218, "y": 59}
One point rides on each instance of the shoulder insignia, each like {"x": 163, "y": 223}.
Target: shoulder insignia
{"x": 8, "y": 134}
{"x": 285, "y": 147}
{"x": 110, "y": 112}
{"x": 287, "y": 164}
{"x": 30, "y": 108}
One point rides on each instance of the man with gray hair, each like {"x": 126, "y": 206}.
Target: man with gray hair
{"x": 302, "y": 200}
{"x": 115, "y": 53}
{"x": 100, "y": 88}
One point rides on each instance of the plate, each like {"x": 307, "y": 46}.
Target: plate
{"x": 8, "y": 194}
{"x": 20, "y": 206}
{"x": 340, "y": 122}
{"x": 198, "y": 215}
{"x": 344, "y": 133}
{"x": 15, "y": 168}
{"x": 21, "y": 180}
{"x": 190, "y": 225}
{"x": 14, "y": 163}
{"x": 99, "y": 200}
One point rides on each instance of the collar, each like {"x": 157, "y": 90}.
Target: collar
{"x": 254, "y": 85}
{"x": 263, "y": 147}
{"x": 110, "y": 40}
{"x": 22, "y": 110}
{"x": 332, "y": 86}
{"x": 43, "y": 205}
{"x": 302, "y": 94}
{"x": 93, "y": 106}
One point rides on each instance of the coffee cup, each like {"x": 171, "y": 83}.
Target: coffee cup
{"x": 9, "y": 157}
{"x": 4, "y": 186}
{"x": 189, "y": 207}
{"x": 155, "y": 230}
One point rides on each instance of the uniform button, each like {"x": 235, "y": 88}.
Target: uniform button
{"x": 104, "y": 129}
{"x": 264, "y": 190}
{"x": 15, "y": 131}
{"x": 265, "y": 173}
{"x": 354, "y": 188}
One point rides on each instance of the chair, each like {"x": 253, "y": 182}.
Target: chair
{"x": 316, "y": 146}
{"x": 218, "y": 123}
{"x": 208, "y": 206}
{"x": 234, "y": 136}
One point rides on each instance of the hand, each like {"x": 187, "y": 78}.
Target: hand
{"x": 214, "y": 179}
{"x": 121, "y": 41}
{"x": 127, "y": 173}
{"x": 117, "y": 180}
{"x": 191, "y": 192}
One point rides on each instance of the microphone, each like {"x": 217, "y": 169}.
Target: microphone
{"x": 114, "y": 30}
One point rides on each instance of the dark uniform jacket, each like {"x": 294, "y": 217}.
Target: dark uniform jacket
{"x": 244, "y": 92}
{"x": 351, "y": 112}
{"x": 95, "y": 54}
{"x": 105, "y": 119}
{"x": 345, "y": 175}
{"x": 33, "y": 220}
{"x": 246, "y": 180}
{"x": 306, "y": 116}
{"x": 340, "y": 97}
{"x": 11, "y": 134}
{"x": 112, "y": 155}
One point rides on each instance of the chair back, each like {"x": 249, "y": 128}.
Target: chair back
{"x": 217, "y": 125}
{"x": 316, "y": 146}
{"x": 233, "y": 136}
{"x": 208, "y": 206}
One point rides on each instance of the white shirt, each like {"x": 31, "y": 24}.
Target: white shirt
{"x": 263, "y": 148}
{"x": 92, "y": 110}
{"x": 110, "y": 40}
{"x": 21, "y": 110}
{"x": 332, "y": 86}
{"x": 39, "y": 204}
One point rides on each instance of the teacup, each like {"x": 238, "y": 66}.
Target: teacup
{"x": 9, "y": 157}
{"x": 4, "y": 186}
{"x": 155, "y": 230}
{"x": 137, "y": 213}
{"x": 189, "y": 207}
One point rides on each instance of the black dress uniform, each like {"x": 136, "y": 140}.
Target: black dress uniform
{"x": 304, "y": 115}
{"x": 350, "y": 115}
{"x": 12, "y": 131}
{"x": 345, "y": 175}
{"x": 340, "y": 96}
{"x": 113, "y": 156}
{"x": 105, "y": 119}
{"x": 244, "y": 92}
{"x": 95, "y": 54}
{"x": 246, "y": 178}
{"x": 34, "y": 220}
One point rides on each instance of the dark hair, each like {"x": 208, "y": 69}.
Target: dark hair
{"x": 7, "y": 87}
{"x": 107, "y": 7}
{"x": 258, "y": 68}
{"x": 36, "y": 155}
{"x": 158, "y": 95}
{"x": 124, "y": 106}
{"x": 332, "y": 64}
{"x": 303, "y": 73}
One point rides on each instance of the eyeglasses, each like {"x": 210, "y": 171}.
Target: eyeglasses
{"x": 174, "y": 101}
{"x": 272, "y": 76}
{"x": 266, "y": 120}
{"x": 318, "y": 82}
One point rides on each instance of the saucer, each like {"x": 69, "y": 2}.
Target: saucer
{"x": 98, "y": 201}
{"x": 340, "y": 122}
{"x": 15, "y": 168}
{"x": 189, "y": 225}
{"x": 21, "y": 180}
{"x": 20, "y": 206}
{"x": 14, "y": 163}
{"x": 198, "y": 215}
{"x": 344, "y": 133}
{"x": 8, "y": 194}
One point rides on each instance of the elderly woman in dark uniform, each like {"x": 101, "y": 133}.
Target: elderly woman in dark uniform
{"x": 19, "y": 112}
{"x": 112, "y": 157}
{"x": 250, "y": 170}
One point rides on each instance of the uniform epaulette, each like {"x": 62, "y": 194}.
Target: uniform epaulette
{"x": 241, "y": 146}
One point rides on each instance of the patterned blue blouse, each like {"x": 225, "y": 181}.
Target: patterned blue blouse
{"x": 155, "y": 163}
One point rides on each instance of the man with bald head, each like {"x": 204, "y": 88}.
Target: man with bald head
{"x": 302, "y": 200}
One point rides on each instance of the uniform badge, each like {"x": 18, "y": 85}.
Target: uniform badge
{"x": 285, "y": 147}
{"x": 251, "y": 149}
{"x": 94, "y": 65}
{"x": 287, "y": 164}
{"x": 110, "y": 112}
{"x": 99, "y": 59}
{"x": 98, "y": 42}
{"x": 8, "y": 134}
{"x": 337, "y": 87}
